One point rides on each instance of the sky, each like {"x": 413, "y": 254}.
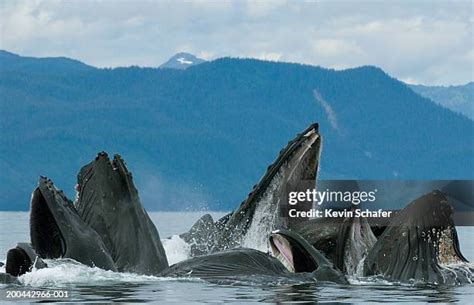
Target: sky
{"x": 423, "y": 42}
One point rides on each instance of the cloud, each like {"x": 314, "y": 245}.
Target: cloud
{"x": 330, "y": 48}
{"x": 426, "y": 42}
{"x": 272, "y": 56}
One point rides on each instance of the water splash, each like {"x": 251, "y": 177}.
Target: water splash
{"x": 65, "y": 272}
{"x": 62, "y": 272}
{"x": 462, "y": 272}
{"x": 176, "y": 249}
{"x": 265, "y": 218}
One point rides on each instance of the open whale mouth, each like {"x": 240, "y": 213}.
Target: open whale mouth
{"x": 291, "y": 254}
{"x": 281, "y": 249}
{"x": 45, "y": 234}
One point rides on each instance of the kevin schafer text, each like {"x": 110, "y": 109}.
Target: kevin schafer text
{"x": 331, "y": 213}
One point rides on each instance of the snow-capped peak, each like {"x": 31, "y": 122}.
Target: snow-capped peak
{"x": 182, "y": 61}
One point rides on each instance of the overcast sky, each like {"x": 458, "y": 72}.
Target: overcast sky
{"x": 424, "y": 42}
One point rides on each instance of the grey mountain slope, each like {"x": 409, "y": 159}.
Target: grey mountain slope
{"x": 457, "y": 98}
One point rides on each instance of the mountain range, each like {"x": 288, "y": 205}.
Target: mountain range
{"x": 457, "y": 98}
{"x": 200, "y": 137}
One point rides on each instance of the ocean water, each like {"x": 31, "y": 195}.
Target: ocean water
{"x": 86, "y": 284}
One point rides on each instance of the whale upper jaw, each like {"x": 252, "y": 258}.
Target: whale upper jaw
{"x": 295, "y": 169}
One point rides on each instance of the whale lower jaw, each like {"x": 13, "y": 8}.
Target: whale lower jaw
{"x": 281, "y": 250}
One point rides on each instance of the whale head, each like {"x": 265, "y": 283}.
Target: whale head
{"x": 108, "y": 201}
{"x": 295, "y": 169}
{"x": 421, "y": 244}
{"x": 57, "y": 231}
{"x": 22, "y": 259}
{"x": 297, "y": 255}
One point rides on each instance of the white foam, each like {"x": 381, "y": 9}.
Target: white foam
{"x": 371, "y": 280}
{"x": 62, "y": 272}
{"x": 176, "y": 249}
{"x": 459, "y": 268}
{"x": 66, "y": 272}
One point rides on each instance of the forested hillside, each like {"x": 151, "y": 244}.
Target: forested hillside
{"x": 201, "y": 137}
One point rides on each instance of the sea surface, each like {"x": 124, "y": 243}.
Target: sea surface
{"x": 85, "y": 284}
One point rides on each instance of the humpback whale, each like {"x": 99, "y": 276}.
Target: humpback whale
{"x": 22, "y": 259}
{"x": 421, "y": 244}
{"x": 110, "y": 220}
{"x": 57, "y": 231}
{"x": 108, "y": 202}
{"x": 202, "y": 235}
{"x": 109, "y": 228}
{"x": 344, "y": 241}
{"x": 293, "y": 258}
{"x": 300, "y": 256}
{"x": 294, "y": 169}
